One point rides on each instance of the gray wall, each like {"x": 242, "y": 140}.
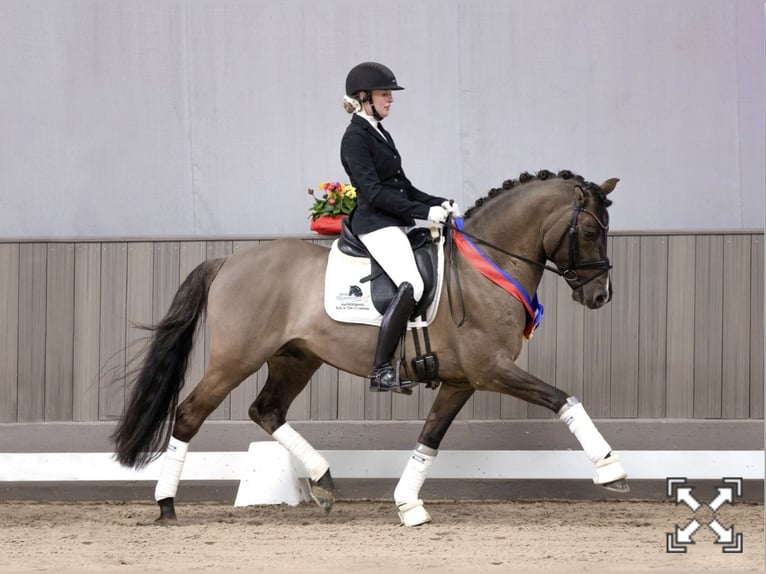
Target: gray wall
{"x": 192, "y": 118}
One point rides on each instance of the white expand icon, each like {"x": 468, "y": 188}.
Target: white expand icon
{"x": 681, "y": 537}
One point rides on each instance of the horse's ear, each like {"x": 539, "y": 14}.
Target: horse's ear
{"x": 609, "y": 185}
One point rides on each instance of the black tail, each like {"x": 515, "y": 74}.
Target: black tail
{"x": 146, "y": 424}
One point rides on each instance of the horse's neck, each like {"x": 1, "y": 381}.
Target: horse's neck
{"x": 515, "y": 224}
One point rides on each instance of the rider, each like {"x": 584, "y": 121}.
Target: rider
{"x": 387, "y": 205}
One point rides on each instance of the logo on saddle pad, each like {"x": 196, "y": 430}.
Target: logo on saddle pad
{"x": 357, "y": 291}
{"x": 355, "y": 299}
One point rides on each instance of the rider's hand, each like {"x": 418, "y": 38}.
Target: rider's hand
{"x": 451, "y": 206}
{"x": 437, "y": 214}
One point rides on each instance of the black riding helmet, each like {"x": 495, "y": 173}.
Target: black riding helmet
{"x": 370, "y": 76}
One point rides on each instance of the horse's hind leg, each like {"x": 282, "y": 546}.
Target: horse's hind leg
{"x": 217, "y": 382}
{"x": 289, "y": 372}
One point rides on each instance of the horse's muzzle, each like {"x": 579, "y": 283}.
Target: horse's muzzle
{"x": 595, "y": 294}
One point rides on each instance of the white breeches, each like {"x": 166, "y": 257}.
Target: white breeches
{"x": 392, "y": 250}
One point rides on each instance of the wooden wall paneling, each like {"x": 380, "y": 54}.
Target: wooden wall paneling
{"x": 486, "y": 405}
{"x": 377, "y": 406}
{"x": 59, "y": 332}
{"x": 735, "y": 367}
{"x": 625, "y": 325}
{"x": 708, "y": 324}
{"x": 139, "y": 305}
{"x": 300, "y": 410}
{"x": 351, "y": 394}
{"x": 165, "y": 277}
{"x": 713, "y": 328}
{"x": 114, "y": 280}
{"x": 542, "y": 347}
{"x": 652, "y": 332}
{"x": 32, "y": 314}
{"x": 570, "y": 332}
{"x": 9, "y": 331}
{"x": 466, "y": 413}
{"x": 324, "y": 394}
{"x": 191, "y": 254}
{"x": 597, "y": 361}
{"x": 406, "y": 407}
{"x": 216, "y": 249}
{"x": 756, "y": 327}
{"x": 426, "y": 400}
{"x": 679, "y": 358}
{"x": 511, "y": 407}
{"x": 244, "y": 395}
{"x": 87, "y": 332}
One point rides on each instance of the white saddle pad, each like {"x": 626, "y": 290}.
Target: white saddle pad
{"x": 348, "y": 300}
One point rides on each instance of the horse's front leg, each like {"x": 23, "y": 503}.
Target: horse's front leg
{"x": 517, "y": 382}
{"x": 449, "y": 400}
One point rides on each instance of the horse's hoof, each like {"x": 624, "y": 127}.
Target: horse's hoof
{"x": 323, "y": 491}
{"x": 620, "y": 485}
{"x": 413, "y": 513}
{"x": 323, "y": 497}
{"x": 167, "y": 512}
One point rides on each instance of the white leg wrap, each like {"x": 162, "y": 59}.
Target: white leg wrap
{"x": 175, "y": 455}
{"x": 578, "y": 421}
{"x": 407, "y": 492}
{"x": 607, "y": 469}
{"x": 315, "y": 463}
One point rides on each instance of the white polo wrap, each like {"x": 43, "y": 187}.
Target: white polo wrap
{"x": 175, "y": 455}
{"x": 315, "y": 463}
{"x": 414, "y": 475}
{"x": 581, "y": 425}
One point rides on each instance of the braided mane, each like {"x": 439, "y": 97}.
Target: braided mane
{"x": 541, "y": 175}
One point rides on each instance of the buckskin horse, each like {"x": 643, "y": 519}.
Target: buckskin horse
{"x": 258, "y": 312}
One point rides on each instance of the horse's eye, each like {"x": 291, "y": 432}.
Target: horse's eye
{"x": 589, "y": 234}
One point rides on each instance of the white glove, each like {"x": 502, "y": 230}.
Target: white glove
{"x": 451, "y": 207}
{"x": 437, "y": 214}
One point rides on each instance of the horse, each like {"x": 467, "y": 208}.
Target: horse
{"x": 259, "y": 311}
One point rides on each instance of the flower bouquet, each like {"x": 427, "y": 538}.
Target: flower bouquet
{"x": 328, "y": 211}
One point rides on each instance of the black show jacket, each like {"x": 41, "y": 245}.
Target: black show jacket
{"x": 384, "y": 195}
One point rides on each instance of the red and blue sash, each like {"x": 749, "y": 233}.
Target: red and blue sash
{"x": 491, "y": 271}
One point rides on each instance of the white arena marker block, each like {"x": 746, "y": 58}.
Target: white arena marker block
{"x": 269, "y": 476}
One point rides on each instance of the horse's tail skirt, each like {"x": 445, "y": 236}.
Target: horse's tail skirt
{"x": 145, "y": 426}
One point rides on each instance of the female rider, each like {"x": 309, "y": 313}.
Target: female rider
{"x": 387, "y": 205}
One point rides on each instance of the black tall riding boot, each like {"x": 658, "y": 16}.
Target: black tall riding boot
{"x": 384, "y": 377}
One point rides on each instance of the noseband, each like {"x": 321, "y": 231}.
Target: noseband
{"x": 569, "y": 273}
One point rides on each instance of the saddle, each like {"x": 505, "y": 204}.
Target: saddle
{"x": 382, "y": 287}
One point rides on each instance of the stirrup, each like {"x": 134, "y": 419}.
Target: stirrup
{"x": 386, "y": 378}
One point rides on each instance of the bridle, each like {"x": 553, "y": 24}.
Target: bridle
{"x": 569, "y": 273}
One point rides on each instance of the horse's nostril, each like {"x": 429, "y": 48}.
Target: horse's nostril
{"x": 600, "y": 300}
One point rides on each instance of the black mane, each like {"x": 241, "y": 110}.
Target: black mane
{"x": 542, "y": 175}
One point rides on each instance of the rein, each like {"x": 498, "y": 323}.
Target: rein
{"x": 569, "y": 273}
